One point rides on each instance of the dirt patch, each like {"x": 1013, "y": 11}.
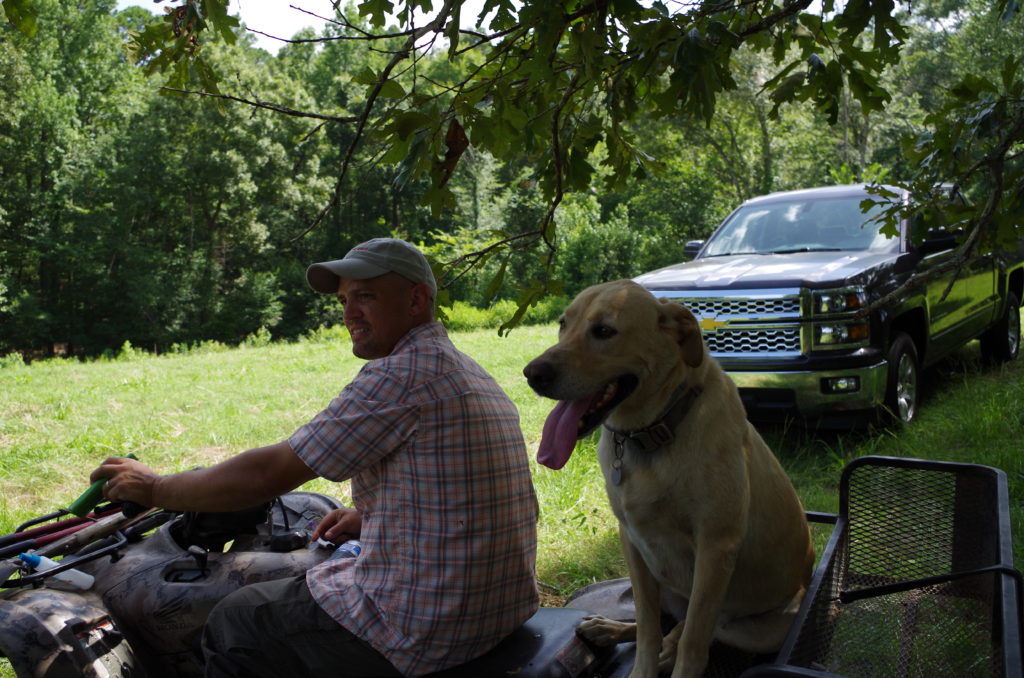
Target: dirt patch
{"x": 550, "y": 598}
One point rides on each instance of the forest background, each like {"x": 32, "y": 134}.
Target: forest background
{"x": 128, "y": 215}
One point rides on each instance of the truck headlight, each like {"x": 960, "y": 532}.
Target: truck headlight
{"x": 835, "y": 335}
{"x": 838, "y": 301}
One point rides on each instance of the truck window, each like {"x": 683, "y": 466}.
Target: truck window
{"x": 822, "y": 224}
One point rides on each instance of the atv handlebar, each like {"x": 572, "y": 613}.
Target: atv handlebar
{"x": 91, "y": 497}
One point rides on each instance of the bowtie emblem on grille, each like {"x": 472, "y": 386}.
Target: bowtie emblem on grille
{"x": 712, "y": 323}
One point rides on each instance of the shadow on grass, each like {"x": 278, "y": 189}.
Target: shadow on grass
{"x": 597, "y": 557}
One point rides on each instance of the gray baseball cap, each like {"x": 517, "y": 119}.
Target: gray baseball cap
{"x": 371, "y": 259}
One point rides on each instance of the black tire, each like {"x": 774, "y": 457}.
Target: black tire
{"x": 903, "y": 386}
{"x": 1001, "y": 342}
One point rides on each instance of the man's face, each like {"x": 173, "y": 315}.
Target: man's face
{"x": 378, "y": 312}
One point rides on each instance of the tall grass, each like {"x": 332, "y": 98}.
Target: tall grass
{"x": 59, "y": 418}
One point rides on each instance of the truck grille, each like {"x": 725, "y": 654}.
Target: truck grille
{"x": 743, "y": 307}
{"x": 753, "y": 340}
{"x": 759, "y": 324}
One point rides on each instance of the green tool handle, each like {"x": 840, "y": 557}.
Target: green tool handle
{"x": 87, "y": 502}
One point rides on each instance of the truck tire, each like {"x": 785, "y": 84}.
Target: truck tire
{"x": 1001, "y": 342}
{"x": 902, "y": 390}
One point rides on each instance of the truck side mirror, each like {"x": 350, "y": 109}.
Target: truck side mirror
{"x": 691, "y": 248}
{"x": 939, "y": 241}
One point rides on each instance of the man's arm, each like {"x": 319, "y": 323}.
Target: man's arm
{"x": 245, "y": 480}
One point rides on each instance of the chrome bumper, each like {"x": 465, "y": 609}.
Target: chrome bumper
{"x": 810, "y": 398}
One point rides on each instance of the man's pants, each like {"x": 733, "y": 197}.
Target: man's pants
{"x": 276, "y": 629}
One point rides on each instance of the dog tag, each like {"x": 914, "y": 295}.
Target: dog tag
{"x": 620, "y": 449}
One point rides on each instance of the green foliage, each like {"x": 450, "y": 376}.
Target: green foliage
{"x": 199, "y": 348}
{"x": 566, "y": 147}
{"x": 327, "y": 334}
{"x": 128, "y": 216}
{"x": 551, "y": 81}
{"x": 11, "y": 360}
{"x": 462, "y": 317}
{"x": 260, "y": 337}
{"x": 172, "y": 44}
{"x": 972, "y": 142}
{"x": 874, "y": 173}
{"x": 128, "y": 352}
{"x": 593, "y": 250}
{"x": 23, "y": 15}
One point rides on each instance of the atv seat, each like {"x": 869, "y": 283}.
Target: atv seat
{"x": 546, "y": 646}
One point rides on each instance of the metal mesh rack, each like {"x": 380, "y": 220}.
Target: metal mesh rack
{"x": 917, "y": 579}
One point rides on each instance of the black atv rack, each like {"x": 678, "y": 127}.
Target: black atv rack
{"x": 917, "y": 579}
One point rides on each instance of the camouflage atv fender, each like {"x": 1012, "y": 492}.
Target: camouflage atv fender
{"x": 62, "y": 634}
{"x": 163, "y": 605}
{"x": 145, "y": 612}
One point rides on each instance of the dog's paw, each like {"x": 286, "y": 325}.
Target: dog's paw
{"x": 603, "y": 631}
{"x": 666, "y": 660}
{"x": 669, "y": 647}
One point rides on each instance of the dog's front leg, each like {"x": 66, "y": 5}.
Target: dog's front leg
{"x": 715, "y": 562}
{"x": 646, "y": 595}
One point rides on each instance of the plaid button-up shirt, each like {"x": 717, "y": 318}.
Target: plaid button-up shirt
{"x": 440, "y": 475}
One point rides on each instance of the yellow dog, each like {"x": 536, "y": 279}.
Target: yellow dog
{"x": 710, "y": 525}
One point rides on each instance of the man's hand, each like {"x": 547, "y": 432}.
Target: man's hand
{"x": 339, "y": 526}
{"x": 127, "y": 480}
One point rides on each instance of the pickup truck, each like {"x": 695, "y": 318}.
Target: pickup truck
{"x": 815, "y": 313}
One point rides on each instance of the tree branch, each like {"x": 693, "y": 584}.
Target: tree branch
{"x": 277, "y": 108}
{"x": 767, "y": 22}
{"x": 410, "y": 45}
{"x": 468, "y": 261}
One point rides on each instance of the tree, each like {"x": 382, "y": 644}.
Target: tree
{"x": 131, "y": 216}
{"x": 65, "y": 102}
{"x": 546, "y": 82}
{"x": 972, "y": 138}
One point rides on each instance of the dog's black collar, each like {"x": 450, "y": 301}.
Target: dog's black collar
{"x": 657, "y": 434}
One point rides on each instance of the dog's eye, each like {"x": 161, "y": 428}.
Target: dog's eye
{"x": 603, "y": 332}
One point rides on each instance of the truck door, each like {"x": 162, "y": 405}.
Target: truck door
{"x": 960, "y": 302}
{"x": 946, "y": 298}
{"x": 983, "y": 303}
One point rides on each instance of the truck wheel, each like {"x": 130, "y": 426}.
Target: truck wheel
{"x": 1001, "y": 342}
{"x": 902, "y": 391}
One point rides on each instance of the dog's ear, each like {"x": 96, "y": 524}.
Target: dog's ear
{"x": 678, "y": 320}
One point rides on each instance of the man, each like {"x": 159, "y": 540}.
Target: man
{"x": 444, "y": 503}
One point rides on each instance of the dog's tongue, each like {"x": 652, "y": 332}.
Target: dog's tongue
{"x": 560, "y": 432}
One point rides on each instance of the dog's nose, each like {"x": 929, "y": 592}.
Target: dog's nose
{"x": 539, "y": 373}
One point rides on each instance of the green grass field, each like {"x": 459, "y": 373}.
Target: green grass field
{"x": 59, "y": 418}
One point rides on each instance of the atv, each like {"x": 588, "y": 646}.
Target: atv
{"x": 916, "y": 578}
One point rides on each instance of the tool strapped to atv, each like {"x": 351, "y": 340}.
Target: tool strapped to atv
{"x": 917, "y": 579}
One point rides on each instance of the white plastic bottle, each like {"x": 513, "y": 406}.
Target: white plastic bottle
{"x": 72, "y": 578}
{"x": 350, "y": 549}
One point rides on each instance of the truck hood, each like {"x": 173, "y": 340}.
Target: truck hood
{"x": 753, "y": 271}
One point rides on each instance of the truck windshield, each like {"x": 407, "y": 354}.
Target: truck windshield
{"x": 800, "y": 225}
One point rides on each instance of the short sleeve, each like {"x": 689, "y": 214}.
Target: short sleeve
{"x": 351, "y": 434}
